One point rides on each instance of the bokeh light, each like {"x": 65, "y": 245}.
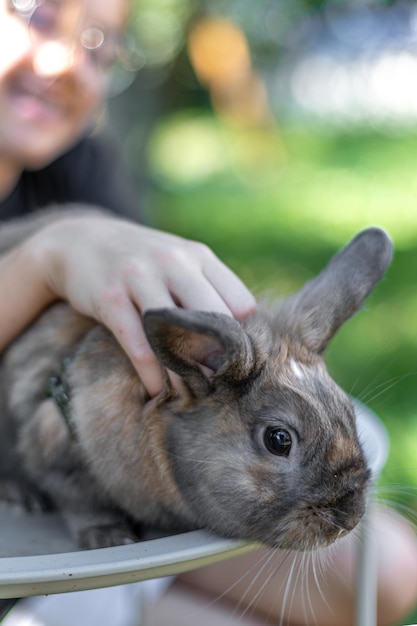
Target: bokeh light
{"x": 354, "y": 67}
{"x": 160, "y": 27}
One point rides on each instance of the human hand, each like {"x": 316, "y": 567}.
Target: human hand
{"x": 114, "y": 270}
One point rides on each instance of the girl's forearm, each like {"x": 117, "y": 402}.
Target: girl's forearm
{"x": 24, "y": 292}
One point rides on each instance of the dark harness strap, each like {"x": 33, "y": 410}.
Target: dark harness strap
{"x": 59, "y": 390}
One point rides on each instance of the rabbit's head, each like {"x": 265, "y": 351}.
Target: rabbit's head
{"x": 262, "y": 442}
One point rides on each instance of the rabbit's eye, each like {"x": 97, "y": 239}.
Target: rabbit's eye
{"x": 278, "y": 441}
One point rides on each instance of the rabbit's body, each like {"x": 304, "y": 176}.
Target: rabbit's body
{"x": 254, "y": 441}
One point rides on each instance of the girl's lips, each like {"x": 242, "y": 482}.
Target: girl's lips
{"x": 34, "y": 103}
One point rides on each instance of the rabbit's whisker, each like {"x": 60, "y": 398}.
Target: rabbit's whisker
{"x": 377, "y": 377}
{"x": 383, "y": 387}
{"x": 258, "y": 564}
{"x": 363, "y": 369}
{"x": 269, "y": 575}
{"x": 321, "y": 560}
{"x": 308, "y": 604}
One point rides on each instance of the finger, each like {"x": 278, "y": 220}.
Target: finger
{"x": 151, "y": 293}
{"x": 124, "y": 321}
{"x": 194, "y": 291}
{"x": 230, "y": 288}
{"x": 147, "y": 366}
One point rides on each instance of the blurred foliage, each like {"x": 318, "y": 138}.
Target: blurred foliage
{"x": 270, "y": 25}
{"x": 160, "y": 27}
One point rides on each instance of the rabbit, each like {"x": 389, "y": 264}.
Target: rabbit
{"x": 253, "y": 440}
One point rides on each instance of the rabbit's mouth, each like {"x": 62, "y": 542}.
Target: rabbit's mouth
{"x": 311, "y": 527}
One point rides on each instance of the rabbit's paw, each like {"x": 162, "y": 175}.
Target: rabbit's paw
{"x": 20, "y": 497}
{"x": 105, "y": 536}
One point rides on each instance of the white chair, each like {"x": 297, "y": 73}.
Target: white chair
{"x": 375, "y": 442}
{"x": 38, "y": 557}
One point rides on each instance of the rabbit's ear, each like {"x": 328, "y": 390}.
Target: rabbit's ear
{"x": 325, "y": 302}
{"x": 189, "y": 342}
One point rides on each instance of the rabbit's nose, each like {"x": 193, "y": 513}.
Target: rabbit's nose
{"x": 348, "y": 511}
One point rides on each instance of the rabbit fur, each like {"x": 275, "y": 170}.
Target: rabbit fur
{"x": 255, "y": 441}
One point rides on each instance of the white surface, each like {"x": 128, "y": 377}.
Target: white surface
{"x": 90, "y": 569}
{"x": 373, "y": 437}
{"x": 117, "y": 606}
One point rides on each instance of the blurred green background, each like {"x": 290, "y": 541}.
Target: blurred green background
{"x": 274, "y": 131}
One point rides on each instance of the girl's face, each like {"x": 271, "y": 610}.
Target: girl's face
{"x": 54, "y": 56}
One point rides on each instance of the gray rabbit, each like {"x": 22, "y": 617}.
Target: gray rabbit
{"x": 255, "y": 441}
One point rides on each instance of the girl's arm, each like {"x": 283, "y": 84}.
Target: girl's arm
{"x": 113, "y": 270}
